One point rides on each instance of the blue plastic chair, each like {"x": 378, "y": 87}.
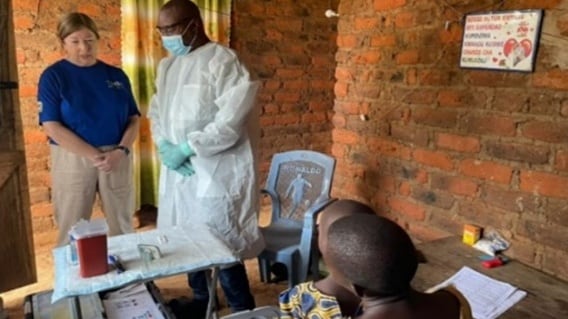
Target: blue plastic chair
{"x": 299, "y": 186}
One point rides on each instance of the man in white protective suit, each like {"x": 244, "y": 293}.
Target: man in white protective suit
{"x": 202, "y": 118}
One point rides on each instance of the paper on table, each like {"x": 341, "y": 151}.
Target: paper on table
{"x": 487, "y": 297}
{"x": 136, "y": 303}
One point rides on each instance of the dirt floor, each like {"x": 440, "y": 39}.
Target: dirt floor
{"x": 176, "y": 286}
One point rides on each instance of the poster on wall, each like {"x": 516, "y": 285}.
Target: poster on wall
{"x": 505, "y": 40}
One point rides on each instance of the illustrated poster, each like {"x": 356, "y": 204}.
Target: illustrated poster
{"x": 501, "y": 40}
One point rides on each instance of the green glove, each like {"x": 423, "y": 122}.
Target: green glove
{"x": 186, "y": 169}
{"x": 174, "y": 155}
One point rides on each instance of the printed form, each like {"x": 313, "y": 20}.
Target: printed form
{"x": 488, "y": 298}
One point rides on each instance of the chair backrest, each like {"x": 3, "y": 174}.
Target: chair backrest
{"x": 264, "y": 312}
{"x": 298, "y": 181}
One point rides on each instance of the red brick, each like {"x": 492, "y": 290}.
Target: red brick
{"x": 556, "y": 211}
{"x": 290, "y": 73}
{"x": 42, "y": 209}
{"x": 407, "y": 57}
{"x": 544, "y": 184}
{"x": 452, "y": 35}
{"x": 445, "y": 221}
{"x": 338, "y": 121}
{"x": 317, "y": 117}
{"x": 294, "y": 85}
{"x": 561, "y": 160}
{"x": 453, "y": 98}
{"x": 551, "y": 235}
{"x": 272, "y": 60}
{"x": 435, "y": 77}
{"x": 36, "y": 136}
{"x": 564, "y": 109}
{"x": 435, "y": 117}
{"x": 458, "y": 143}
{"x": 484, "y": 216}
{"x": 433, "y": 198}
{"x": 420, "y": 96}
{"x": 405, "y": 20}
{"x": 426, "y": 232}
{"x": 405, "y": 189}
{"x": 496, "y": 79}
{"x": 364, "y": 23}
{"x": 368, "y": 57}
{"x": 553, "y": 79}
{"x": 408, "y": 209}
{"x": 341, "y": 89}
{"x": 345, "y": 137}
{"x": 383, "y": 41}
{"x": 342, "y": 73}
{"x": 23, "y": 21}
{"x": 551, "y": 132}
{"x": 525, "y": 153}
{"x": 498, "y": 125}
{"x": 490, "y": 171}
{"x": 522, "y": 250}
{"x": 288, "y": 97}
{"x": 271, "y": 85}
{"x": 27, "y": 91}
{"x": 388, "y": 148}
{"x": 433, "y": 158}
{"x": 454, "y": 184}
{"x": 511, "y": 200}
{"x": 382, "y": 5}
{"x": 347, "y": 41}
{"x": 410, "y": 134}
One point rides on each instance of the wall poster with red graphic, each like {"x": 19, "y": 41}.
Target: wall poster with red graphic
{"x": 505, "y": 40}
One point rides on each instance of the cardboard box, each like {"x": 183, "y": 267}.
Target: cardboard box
{"x": 471, "y": 234}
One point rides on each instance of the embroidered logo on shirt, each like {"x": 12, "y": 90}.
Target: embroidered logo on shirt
{"x": 114, "y": 84}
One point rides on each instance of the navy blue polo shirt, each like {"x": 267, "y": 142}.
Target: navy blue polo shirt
{"x": 94, "y": 102}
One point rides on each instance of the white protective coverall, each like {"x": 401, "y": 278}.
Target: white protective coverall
{"x": 206, "y": 98}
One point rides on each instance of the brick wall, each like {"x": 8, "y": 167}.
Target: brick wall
{"x": 435, "y": 146}
{"x": 37, "y": 46}
{"x": 290, "y": 46}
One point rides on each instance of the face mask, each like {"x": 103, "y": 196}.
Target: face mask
{"x": 174, "y": 43}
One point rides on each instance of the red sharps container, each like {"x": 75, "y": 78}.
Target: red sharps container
{"x": 91, "y": 239}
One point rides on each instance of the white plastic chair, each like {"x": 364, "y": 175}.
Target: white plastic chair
{"x": 264, "y": 312}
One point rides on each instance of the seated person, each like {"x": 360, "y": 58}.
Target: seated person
{"x": 375, "y": 258}
{"x": 324, "y": 298}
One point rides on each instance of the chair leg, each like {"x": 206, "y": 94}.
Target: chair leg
{"x": 264, "y": 269}
{"x": 293, "y": 279}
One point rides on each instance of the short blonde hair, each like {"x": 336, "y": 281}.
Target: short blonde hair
{"x": 73, "y": 22}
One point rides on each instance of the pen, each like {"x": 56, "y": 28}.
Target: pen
{"x": 113, "y": 259}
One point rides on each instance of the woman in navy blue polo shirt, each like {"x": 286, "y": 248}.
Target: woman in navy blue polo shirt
{"x": 87, "y": 109}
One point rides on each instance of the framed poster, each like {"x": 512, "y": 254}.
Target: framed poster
{"x": 505, "y": 40}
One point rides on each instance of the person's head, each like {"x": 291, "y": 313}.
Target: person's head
{"x": 373, "y": 254}
{"x": 79, "y": 35}
{"x": 181, "y": 27}
{"x": 335, "y": 211}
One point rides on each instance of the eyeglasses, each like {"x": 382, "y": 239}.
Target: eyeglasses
{"x": 171, "y": 29}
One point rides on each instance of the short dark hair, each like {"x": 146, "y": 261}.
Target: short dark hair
{"x": 373, "y": 253}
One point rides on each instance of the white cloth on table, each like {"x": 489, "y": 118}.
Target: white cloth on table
{"x": 183, "y": 249}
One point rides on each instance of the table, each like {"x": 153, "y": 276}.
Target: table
{"x": 547, "y": 297}
{"x": 183, "y": 248}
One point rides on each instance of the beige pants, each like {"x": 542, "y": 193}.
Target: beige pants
{"x": 75, "y": 182}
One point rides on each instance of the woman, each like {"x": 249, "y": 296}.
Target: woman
{"x": 87, "y": 110}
